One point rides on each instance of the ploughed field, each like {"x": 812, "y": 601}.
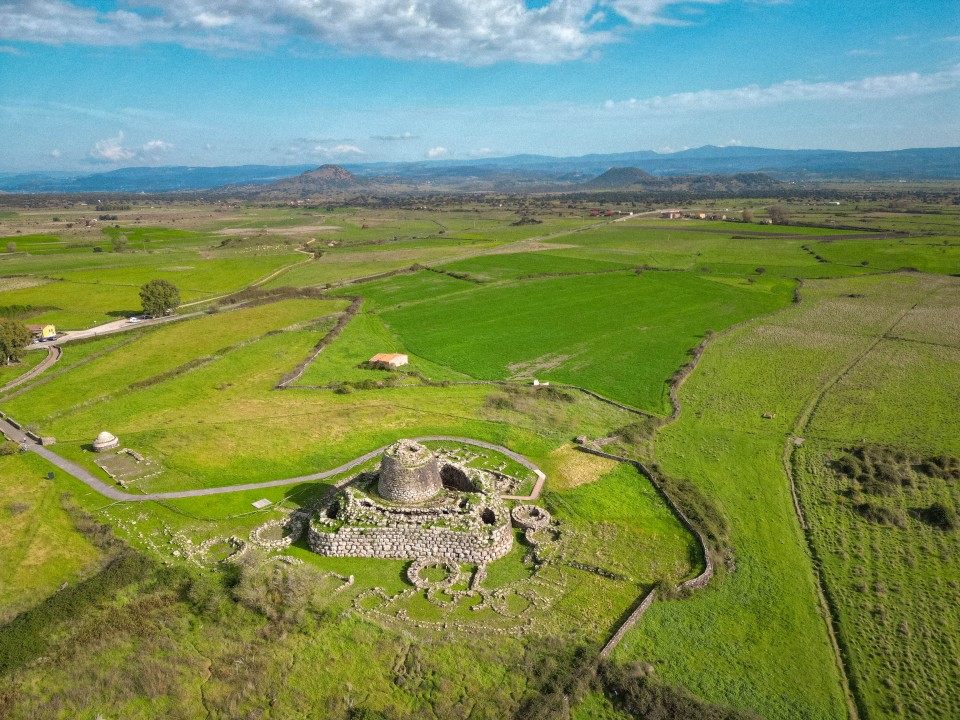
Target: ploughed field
{"x": 484, "y": 306}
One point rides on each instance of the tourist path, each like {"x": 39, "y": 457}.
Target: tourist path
{"x": 14, "y": 433}
{"x": 53, "y": 355}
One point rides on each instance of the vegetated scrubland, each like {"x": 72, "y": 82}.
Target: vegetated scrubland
{"x": 879, "y": 477}
{"x": 776, "y": 365}
{"x": 40, "y": 546}
{"x": 621, "y": 335}
{"x": 185, "y": 631}
{"x": 197, "y": 398}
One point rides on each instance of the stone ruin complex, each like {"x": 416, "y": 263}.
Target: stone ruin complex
{"x": 418, "y": 505}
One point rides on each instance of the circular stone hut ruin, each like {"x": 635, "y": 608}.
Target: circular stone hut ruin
{"x": 416, "y": 505}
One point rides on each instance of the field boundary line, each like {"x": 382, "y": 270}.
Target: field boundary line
{"x": 680, "y": 377}
{"x": 854, "y": 701}
{"x": 697, "y": 582}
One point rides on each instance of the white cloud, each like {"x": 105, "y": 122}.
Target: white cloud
{"x": 156, "y": 147}
{"x": 881, "y": 87}
{"x": 343, "y": 149}
{"x": 649, "y": 12}
{"x": 55, "y": 153}
{"x": 112, "y": 150}
{"x": 437, "y": 152}
{"x": 394, "y": 138}
{"x": 9, "y": 50}
{"x": 473, "y": 32}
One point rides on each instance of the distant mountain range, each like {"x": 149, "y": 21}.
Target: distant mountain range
{"x": 640, "y": 180}
{"x": 514, "y": 173}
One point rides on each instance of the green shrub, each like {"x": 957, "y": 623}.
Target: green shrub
{"x": 941, "y": 516}
{"x": 28, "y": 635}
{"x": 9, "y": 447}
{"x": 883, "y": 515}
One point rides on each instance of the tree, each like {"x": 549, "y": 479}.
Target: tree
{"x": 158, "y": 297}
{"x": 14, "y": 338}
{"x": 747, "y": 215}
{"x": 779, "y": 215}
{"x": 11, "y": 247}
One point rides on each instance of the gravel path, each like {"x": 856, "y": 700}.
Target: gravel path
{"x": 71, "y": 468}
{"x": 53, "y": 354}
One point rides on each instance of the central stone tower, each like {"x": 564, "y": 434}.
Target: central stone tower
{"x": 409, "y": 473}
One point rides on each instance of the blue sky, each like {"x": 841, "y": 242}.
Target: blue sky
{"x": 98, "y": 85}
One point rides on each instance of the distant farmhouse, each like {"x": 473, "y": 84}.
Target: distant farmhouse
{"x": 390, "y": 360}
{"x": 43, "y": 332}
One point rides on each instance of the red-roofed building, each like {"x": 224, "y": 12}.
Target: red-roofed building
{"x": 393, "y": 360}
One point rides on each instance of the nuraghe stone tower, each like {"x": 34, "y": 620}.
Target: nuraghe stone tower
{"x": 409, "y": 473}
{"x": 416, "y": 506}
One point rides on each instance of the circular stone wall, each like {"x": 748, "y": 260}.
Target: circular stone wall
{"x": 409, "y": 473}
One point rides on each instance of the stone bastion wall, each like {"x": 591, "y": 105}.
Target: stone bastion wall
{"x": 412, "y": 542}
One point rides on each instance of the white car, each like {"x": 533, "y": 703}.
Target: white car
{"x": 134, "y": 319}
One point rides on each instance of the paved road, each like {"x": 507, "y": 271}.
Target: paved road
{"x": 112, "y": 492}
{"x": 53, "y": 354}
{"x": 116, "y": 326}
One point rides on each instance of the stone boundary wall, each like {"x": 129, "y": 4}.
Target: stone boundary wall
{"x": 284, "y": 382}
{"x": 701, "y": 580}
{"x": 627, "y": 624}
{"x": 20, "y": 390}
{"x": 411, "y": 543}
{"x": 680, "y": 377}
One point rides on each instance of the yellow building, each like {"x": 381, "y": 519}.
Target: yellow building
{"x": 43, "y": 332}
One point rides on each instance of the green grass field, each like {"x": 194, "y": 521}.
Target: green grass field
{"x": 890, "y": 584}
{"x": 40, "y": 546}
{"x": 868, "y": 357}
{"x": 619, "y": 335}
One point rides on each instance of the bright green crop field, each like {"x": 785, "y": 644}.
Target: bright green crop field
{"x": 835, "y": 577}
{"x": 621, "y": 335}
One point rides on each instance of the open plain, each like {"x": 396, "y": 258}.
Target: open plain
{"x": 688, "y": 389}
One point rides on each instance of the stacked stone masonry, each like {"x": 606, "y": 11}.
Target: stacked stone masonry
{"x": 409, "y": 472}
{"x": 410, "y": 543}
{"x": 415, "y": 507}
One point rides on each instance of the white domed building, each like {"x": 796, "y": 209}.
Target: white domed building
{"x": 105, "y": 441}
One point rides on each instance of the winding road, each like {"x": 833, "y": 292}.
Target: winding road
{"x": 12, "y": 432}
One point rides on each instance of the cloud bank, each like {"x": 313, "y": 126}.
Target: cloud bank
{"x": 473, "y": 32}
{"x": 112, "y": 150}
{"x": 880, "y": 87}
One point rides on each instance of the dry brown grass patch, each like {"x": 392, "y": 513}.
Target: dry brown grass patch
{"x": 572, "y": 468}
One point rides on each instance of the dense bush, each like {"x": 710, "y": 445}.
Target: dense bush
{"x": 893, "y": 517}
{"x": 941, "y": 516}
{"x": 9, "y": 447}
{"x": 28, "y": 635}
{"x": 701, "y": 512}
{"x": 634, "y": 690}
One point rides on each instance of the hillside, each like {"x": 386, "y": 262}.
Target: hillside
{"x": 511, "y": 172}
{"x": 636, "y": 179}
